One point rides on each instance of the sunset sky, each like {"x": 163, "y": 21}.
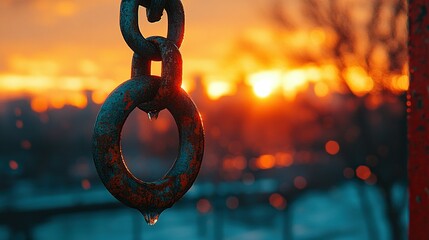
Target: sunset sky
{"x": 66, "y": 46}
{"x": 70, "y": 45}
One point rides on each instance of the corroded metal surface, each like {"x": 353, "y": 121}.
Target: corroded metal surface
{"x": 154, "y": 9}
{"x": 418, "y": 120}
{"x": 148, "y": 197}
{"x": 131, "y": 31}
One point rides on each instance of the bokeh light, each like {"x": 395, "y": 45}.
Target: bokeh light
{"x": 277, "y": 201}
{"x": 13, "y": 165}
{"x": 332, "y": 147}
{"x": 300, "y": 182}
{"x": 363, "y": 172}
{"x": 204, "y": 206}
{"x": 232, "y": 202}
{"x": 265, "y": 161}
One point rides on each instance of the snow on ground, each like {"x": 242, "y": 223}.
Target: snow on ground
{"x": 335, "y": 214}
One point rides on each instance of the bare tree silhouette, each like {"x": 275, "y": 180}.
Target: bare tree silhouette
{"x": 373, "y": 36}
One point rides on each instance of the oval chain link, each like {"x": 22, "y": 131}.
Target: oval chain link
{"x": 131, "y": 31}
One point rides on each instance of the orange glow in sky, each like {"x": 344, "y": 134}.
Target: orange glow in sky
{"x": 55, "y": 51}
{"x": 289, "y": 82}
{"x": 358, "y": 80}
{"x": 217, "y": 89}
{"x": 264, "y": 83}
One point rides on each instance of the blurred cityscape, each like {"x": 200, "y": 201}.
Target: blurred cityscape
{"x": 343, "y": 155}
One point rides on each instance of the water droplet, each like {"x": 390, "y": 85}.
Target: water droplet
{"x": 153, "y": 115}
{"x": 151, "y": 217}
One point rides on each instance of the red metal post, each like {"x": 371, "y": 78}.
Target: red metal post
{"x": 418, "y": 119}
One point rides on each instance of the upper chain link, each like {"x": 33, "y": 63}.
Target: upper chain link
{"x": 130, "y": 26}
{"x": 154, "y": 9}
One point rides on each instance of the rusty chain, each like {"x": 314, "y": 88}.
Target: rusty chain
{"x": 131, "y": 31}
{"x": 151, "y": 94}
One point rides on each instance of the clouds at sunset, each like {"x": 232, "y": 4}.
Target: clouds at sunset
{"x": 79, "y": 39}
{"x": 77, "y": 45}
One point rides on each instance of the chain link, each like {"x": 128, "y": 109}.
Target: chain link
{"x": 131, "y": 31}
{"x": 171, "y": 74}
{"x": 154, "y": 10}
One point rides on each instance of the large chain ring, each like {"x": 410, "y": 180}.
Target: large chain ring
{"x": 148, "y": 197}
{"x": 133, "y": 36}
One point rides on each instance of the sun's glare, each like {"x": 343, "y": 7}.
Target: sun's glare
{"x": 294, "y": 80}
{"x": 321, "y": 89}
{"x": 265, "y": 83}
{"x": 358, "y": 80}
{"x": 217, "y": 89}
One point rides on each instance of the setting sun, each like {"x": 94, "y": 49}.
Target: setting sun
{"x": 290, "y": 82}
{"x": 218, "y": 89}
{"x": 264, "y": 83}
